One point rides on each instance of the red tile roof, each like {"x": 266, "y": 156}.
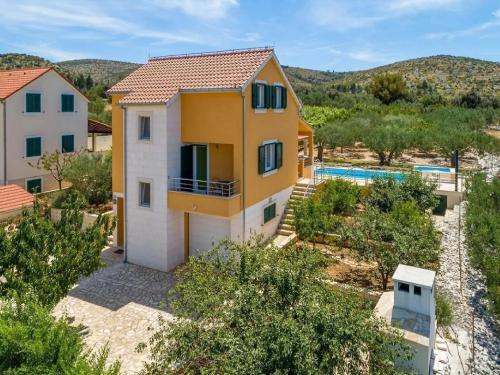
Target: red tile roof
{"x": 13, "y": 80}
{"x": 162, "y": 78}
{"x": 98, "y": 127}
{"x": 14, "y": 197}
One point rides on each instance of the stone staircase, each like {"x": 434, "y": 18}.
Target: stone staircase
{"x": 301, "y": 191}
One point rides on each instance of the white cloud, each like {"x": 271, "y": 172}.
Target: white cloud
{"x": 368, "y": 56}
{"x": 343, "y": 15}
{"x": 206, "y": 9}
{"x": 71, "y": 15}
{"x": 474, "y": 30}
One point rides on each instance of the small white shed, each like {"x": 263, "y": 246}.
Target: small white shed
{"x": 411, "y": 308}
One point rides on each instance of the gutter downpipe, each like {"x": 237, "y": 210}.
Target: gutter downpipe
{"x": 4, "y": 141}
{"x": 125, "y": 203}
{"x": 243, "y": 146}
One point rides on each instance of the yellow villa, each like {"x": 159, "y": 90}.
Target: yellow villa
{"x": 205, "y": 147}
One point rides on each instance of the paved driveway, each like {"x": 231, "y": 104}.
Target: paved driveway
{"x": 117, "y": 304}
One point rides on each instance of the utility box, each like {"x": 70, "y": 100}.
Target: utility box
{"x": 412, "y": 308}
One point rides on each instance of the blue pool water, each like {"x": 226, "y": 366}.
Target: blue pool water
{"x": 427, "y": 168}
{"x": 361, "y": 174}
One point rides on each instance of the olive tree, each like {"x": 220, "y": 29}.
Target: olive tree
{"x": 48, "y": 258}
{"x": 254, "y": 309}
{"x": 388, "y": 87}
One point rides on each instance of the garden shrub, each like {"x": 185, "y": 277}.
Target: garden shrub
{"x": 444, "y": 310}
{"x": 340, "y": 197}
{"x": 482, "y": 232}
{"x": 32, "y": 341}
{"x": 90, "y": 174}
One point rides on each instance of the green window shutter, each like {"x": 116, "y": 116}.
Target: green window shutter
{"x": 68, "y": 143}
{"x": 33, "y": 147}
{"x": 279, "y": 154}
{"x": 262, "y": 159}
{"x": 34, "y": 186}
{"x": 268, "y": 96}
{"x": 273, "y": 96}
{"x": 33, "y": 102}
{"x": 67, "y": 103}
{"x": 269, "y": 212}
{"x": 255, "y": 95}
{"x": 283, "y": 97}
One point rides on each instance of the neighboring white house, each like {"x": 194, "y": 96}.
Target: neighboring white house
{"x": 411, "y": 308}
{"x": 40, "y": 111}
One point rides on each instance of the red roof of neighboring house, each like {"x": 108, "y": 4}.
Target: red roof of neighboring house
{"x": 98, "y": 127}
{"x": 162, "y": 78}
{"x": 14, "y": 197}
{"x": 13, "y": 80}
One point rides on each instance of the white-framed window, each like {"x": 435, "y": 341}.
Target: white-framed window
{"x": 261, "y": 95}
{"x": 145, "y": 194}
{"x": 270, "y": 157}
{"x": 270, "y": 160}
{"x": 278, "y": 97}
{"x": 144, "y": 128}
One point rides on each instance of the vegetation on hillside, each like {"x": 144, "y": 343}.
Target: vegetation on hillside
{"x": 107, "y": 72}
{"x": 482, "y": 232}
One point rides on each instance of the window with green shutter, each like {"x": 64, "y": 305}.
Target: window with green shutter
{"x": 33, "y": 102}
{"x": 68, "y": 143}
{"x": 34, "y": 185}
{"x": 67, "y": 103}
{"x": 260, "y": 96}
{"x": 269, "y": 212}
{"x": 33, "y": 147}
{"x": 279, "y": 97}
{"x": 270, "y": 157}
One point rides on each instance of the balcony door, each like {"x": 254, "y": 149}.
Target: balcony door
{"x": 194, "y": 168}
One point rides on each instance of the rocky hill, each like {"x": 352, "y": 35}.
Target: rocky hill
{"x": 449, "y": 75}
{"x": 107, "y": 71}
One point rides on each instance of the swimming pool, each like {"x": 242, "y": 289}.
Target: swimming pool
{"x": 357, "y": 173}
{"x": 428, "y": 168}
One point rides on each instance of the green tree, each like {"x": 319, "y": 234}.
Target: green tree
{"x": 311, "y": 219}
{"x": 339, "y": 197}
{"x": 402, "y": 236}
{"x": 387, "y": 136}
{"x": 253, "y": 309}
{"x": 90, "y": 174}
{"x": 385, "y": 193}
{"x": 32, "y": 341}
{"x": 482, "y": 232}
{"x": 56, "y": 163}
{"x": 388, "y": 87}
{"x": 48, "y": 258}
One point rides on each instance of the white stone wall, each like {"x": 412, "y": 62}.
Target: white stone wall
{"x": 423, "y": 304}
{"x": 175, "y": 218}
{"x": 146, "y": 228}
{"x": 206, "y": 231}
{"x": 50, "y": 124}
{"x": 254, "y": 217}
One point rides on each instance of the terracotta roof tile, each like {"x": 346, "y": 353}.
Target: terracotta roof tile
{"x": 162, "y": 78}
{"x": 98, "y": 127}
{"x": 14, "y": 197}
{"x": 13, "y": 80}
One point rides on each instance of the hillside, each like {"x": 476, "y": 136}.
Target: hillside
{"x": 449, "y": 75}
{"x": 107, "y": 71}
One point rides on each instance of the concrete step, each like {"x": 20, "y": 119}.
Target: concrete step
{"x": 287, "y": 227}
{"x": 285, "y": 232}
{"x": 288, "y": 216}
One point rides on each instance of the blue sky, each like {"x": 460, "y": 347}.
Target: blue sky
{"x": 336, "y": 35}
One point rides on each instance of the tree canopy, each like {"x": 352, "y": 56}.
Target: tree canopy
{"x": 262, "y": 310}
{"x": 388, "y": 87}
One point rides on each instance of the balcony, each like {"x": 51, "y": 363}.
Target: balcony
{"x": 220, "y": 198}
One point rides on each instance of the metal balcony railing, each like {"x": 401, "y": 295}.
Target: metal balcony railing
{"x": 213, "y": 188}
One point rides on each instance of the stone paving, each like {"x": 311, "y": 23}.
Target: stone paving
{"x": 116, "y": 305}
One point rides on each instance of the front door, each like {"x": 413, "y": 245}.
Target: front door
{"x": 200, "y": 157}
